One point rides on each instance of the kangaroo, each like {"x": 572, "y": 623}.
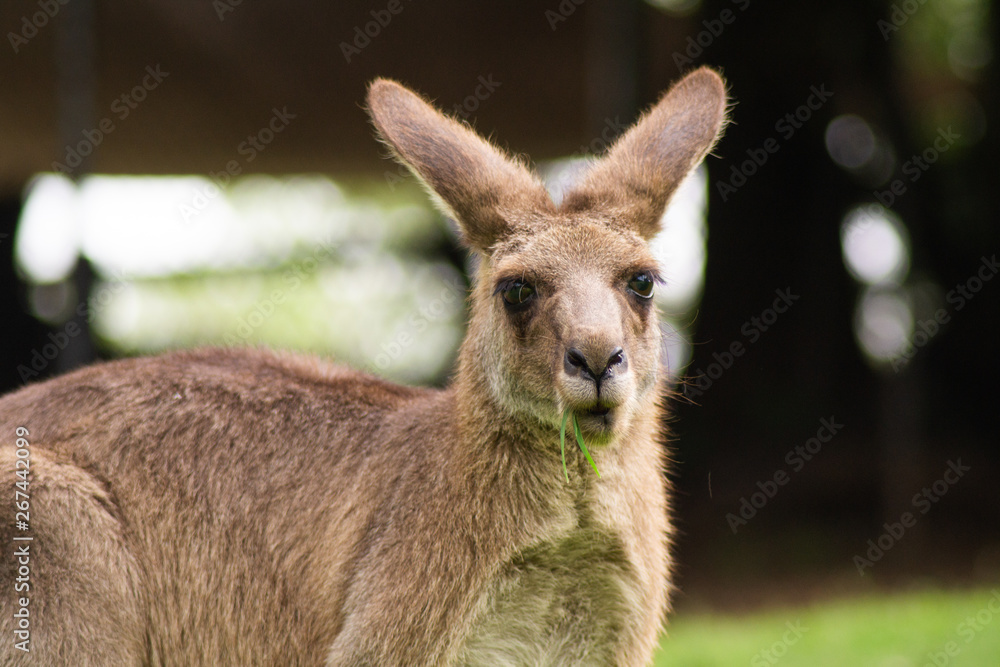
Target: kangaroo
{"x": 246, "y": 507}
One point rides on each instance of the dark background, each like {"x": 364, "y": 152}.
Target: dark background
{"x": 560, "y": 79}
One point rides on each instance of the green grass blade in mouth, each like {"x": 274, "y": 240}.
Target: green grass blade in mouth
{"x": 562, "y": 442}
{"x": 583, "y": 447}
{"x": 579, "y": 441}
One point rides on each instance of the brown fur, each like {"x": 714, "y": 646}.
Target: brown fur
{"x": 245, "y": 507}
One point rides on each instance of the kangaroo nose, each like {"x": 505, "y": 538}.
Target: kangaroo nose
{"x": 577, "y": 362}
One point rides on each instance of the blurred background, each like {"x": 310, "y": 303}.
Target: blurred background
{"x": 179, "y": 173}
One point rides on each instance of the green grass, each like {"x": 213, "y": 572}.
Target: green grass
{"x": 579, "y": 441}
{"x": 902, "y": 630}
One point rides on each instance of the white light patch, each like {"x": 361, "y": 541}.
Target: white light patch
{"x": 680, "y": 247}
{"x": 48, "y": 234}
{"x": 561, "y": 175}
{"x": 155, "y": 226}
{"x": 875, "y": 246}
{"x": 883, "y": 324}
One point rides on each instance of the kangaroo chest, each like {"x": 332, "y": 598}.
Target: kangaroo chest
{"x": 559, "y": 602}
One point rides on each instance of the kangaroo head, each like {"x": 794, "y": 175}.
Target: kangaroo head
{"x": 562, "y": 310}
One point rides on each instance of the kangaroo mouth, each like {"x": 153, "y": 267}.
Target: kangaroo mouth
{"x": 598, "y": 419}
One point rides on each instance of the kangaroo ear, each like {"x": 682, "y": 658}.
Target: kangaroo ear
{"x": 634, "y": 182}
{"x": 471, "y": 180}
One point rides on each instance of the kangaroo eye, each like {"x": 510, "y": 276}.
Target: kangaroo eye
{"x": 517, "y": 292}
{"x": 642, "y": 285}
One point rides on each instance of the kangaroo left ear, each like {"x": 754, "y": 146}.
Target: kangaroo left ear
{"x": 472, "y": 180}
{"x": 633, "y": 183}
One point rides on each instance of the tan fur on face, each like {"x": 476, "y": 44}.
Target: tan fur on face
{"x": 224, "y": 507}
{"x": 581, "y": 272}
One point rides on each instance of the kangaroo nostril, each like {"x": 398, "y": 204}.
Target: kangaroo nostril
{"x": 576, "y": 361}
{"x": 575, "y": 358}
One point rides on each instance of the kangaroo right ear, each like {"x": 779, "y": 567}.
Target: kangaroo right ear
{"x": 471, "y": 180}
{"x": 635, "y": 180}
